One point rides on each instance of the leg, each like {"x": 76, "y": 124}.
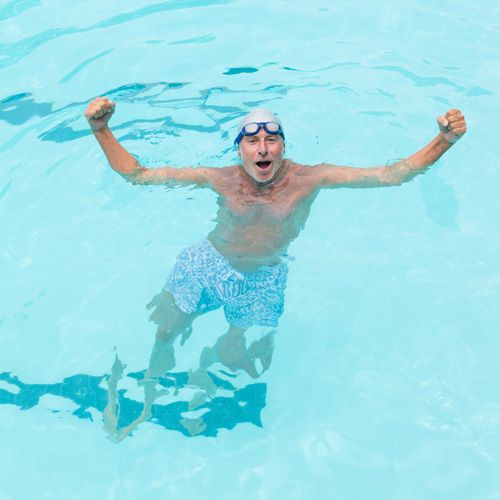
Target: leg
{"x": 259, "y": 302}
{"x": 232, "y": 352}
{"x": 112, "y": 410}
{"x": 230, "y": 349}
{"x": 171, "y": 323}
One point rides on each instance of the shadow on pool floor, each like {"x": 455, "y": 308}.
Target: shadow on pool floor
{"x": 224, "y": 412}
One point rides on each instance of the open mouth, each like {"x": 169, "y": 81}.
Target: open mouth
{"x": 263, "y": 165}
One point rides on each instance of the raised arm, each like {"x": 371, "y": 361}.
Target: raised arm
{"x": 98, "y": 114}
{"x": 451, "y": 128}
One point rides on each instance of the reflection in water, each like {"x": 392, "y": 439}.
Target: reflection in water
{"x": 197, "y": 402}
{"x": 230, "y": 350}
{"x": 122, "y": 414}
{"x": 248, "y": 297}
{"x": 214, "y": 393}
{"x": 20, "y": 108}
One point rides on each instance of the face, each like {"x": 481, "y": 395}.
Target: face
{"x": 261, "y": 155}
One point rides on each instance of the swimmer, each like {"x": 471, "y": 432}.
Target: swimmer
{"x": 263, "y": 203}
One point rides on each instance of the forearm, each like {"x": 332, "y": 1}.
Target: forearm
{"x": 118, "y": 157}
{"x": 431, "y": 153}
{"x": 388, "y": 175}
{"x": 451, "y": 128}
{"x": 127, "y": 166}
{"x": 405, "y": 170}
{"x": 392, "y": 175}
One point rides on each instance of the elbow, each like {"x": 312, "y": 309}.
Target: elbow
{"x": 398, "y": 180}
{"x": 401, "y": 172}
{"x": 130, "y": 177}
{"x": 136, "y": 176}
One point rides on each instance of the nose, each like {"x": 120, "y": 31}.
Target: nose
{"x": 262, "y": 149}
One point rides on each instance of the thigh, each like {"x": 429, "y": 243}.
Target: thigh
{"x": 170, "y": 320}
{"x": 260, "y": 301}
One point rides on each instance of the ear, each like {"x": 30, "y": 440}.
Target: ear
{"x": 239, "y": 151}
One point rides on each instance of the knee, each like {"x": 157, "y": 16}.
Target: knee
{"x": 166, "y": 336}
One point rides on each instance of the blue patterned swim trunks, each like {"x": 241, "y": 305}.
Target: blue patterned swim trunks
{"x": 203, "y": 280}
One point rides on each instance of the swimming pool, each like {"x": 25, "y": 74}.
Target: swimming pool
{"x": 384, "y": 382}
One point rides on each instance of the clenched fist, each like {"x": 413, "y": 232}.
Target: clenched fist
{"x": 98, "y": 113}
{"x": 452, "y": 125}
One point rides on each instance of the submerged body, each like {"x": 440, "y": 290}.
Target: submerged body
{"x": 263, "y": 205}
{"x": 265, "y": 201}
{"x": 256, "y": 224}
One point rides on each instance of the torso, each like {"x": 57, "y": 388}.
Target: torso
{"x": 255, "y": 224}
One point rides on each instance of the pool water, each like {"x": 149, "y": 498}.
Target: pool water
{"x": 384, "y": 382}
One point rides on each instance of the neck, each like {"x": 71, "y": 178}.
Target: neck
{"x": 260, "y": 185}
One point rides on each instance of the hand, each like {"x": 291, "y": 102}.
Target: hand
{"x": 98, "y": 112}
{"x": 452, "y": 125}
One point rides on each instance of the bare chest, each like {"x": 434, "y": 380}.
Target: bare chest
{"x": 272, "y": 206}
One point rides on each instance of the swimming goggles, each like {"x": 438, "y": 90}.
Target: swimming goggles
{"x": 253, "y": 128}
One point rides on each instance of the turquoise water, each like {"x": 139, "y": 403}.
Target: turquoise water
{"x": 384, "y": 382}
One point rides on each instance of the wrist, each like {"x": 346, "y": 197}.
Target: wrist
{"x": 446, "y": 141}
{"x": 100, "y": 131}
{"x": 443, "y": 143}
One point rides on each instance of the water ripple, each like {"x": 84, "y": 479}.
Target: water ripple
{"x": 11, "y": 53}
{"x": 198, "y": 39}
{"x": 16, "y": 7}
{"x": 419, "y": 81}
{"x": 82, "y": 65}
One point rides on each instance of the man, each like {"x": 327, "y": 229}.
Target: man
{"x": 263, "y": 205}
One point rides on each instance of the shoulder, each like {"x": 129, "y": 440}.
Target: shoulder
{"x": 218, "y": 177}
{"x": 215, "y": 174}
{"x": 333, "y": 175}
{"x": 325, "y": 175}
{"x": 311, "y": 173}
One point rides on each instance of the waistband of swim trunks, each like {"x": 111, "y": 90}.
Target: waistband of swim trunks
{"x": 207, "y": 243}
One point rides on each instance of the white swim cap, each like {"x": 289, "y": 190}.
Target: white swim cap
{"x": 260, "y": 115}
